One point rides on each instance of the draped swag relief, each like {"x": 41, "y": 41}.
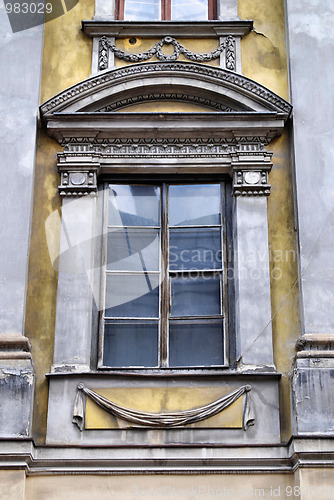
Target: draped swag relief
{"x": 168, "y": 419}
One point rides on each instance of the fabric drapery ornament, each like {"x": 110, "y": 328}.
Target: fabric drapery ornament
{"x": 167, "y": 419}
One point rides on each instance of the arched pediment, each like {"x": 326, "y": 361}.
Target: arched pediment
{"x": 213, "y": 88}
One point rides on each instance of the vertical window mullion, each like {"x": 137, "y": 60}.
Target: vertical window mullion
{"x": 164, "y": 278}
{"x": 212, "y": 10}
{"x": 166, "y": 10}
{"x": 119, "y": 9}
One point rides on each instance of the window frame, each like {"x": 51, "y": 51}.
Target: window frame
{"x": 226, "y": 284}
{"x": 166, "y": 11}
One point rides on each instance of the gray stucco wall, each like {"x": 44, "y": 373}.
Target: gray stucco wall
{"x": 311, "y": 48}
{"x": 20, "y": 71}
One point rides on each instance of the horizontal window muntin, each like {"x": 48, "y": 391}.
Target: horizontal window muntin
{"x": 189, "y": 282}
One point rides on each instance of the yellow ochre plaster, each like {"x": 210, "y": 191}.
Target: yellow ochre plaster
{"x": 264, "y": 59}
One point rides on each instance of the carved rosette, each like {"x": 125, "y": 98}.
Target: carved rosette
{"x": 78, "y": 182}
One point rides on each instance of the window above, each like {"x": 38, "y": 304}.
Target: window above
{"x": 154, "y": 10}
{"x": 164, "y": 281}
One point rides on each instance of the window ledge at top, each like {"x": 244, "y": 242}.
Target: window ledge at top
{"x": 149, "y": 29}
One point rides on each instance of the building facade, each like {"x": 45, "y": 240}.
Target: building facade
{"x": 166, "y": 273}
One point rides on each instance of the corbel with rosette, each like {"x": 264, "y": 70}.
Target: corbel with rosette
{"x": 249, "y": 172}
{"x": 77, "y": 178}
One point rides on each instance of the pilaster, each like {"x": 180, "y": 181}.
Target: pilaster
{"x": 249, "y": 169}
{"x": 75, "y": 301}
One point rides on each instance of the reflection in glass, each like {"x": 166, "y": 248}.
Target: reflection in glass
{"x": 142, "y": 10}
{"x": 195, "y": 296}
{"x": 196, "y": 343}
{"x": 194, "y": 205}
{"x": 133, "y": 250}
{"x": 130, "y": 343}
{"x": 192, "y": 10}
{"x": 195, "y": 249}
{"x": 133, "y": 205}
{"x": 132, "y": 296}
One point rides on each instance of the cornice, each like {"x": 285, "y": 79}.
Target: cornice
{"x": 148, "y": 29}
{"x": 249, "y": 126}
{"x": 301, "y": 452}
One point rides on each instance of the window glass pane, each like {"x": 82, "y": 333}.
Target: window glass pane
{"x": 142, "y": 10}
{"x": 132, "y": 295}
{"x": 133, "y": 249}
{"x": 195, "y": 249}
{"x": 130, "y": 343}
{"x": 195, "y": 296}
{"x": 134, "y": 205}
{"x": 196, "y": 205}
{"x": 193, "y": 10}
{"x": 196, "y": 343}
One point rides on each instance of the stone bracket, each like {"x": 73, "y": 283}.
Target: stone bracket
{"x": 78, "y": 179}
{"x": 250, "y": 183}
{"x": 249, "y": 171}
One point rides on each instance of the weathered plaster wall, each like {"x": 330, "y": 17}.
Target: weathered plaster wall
{"x": 12, "y": 485}
{"x": 311, "y": 44}
{"x": 263, "y": 51}
{"x": 159, "y": 487}
{"x": 20, "y": 70}
{"x": 264, "y": 58}
{"x": 66, "y": 60}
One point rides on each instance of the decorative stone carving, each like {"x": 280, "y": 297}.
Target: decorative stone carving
{"x": 250, "y": 166}
{"x": 106, "y": 45}
{"x": 251, "y": 182}
{"x": 230, "y": 53}
{"x": 78, "y": 181}
{"x": 161, "y": 148}
{"x": 220, "y": 76}
{"x": 168, "y": 419}
{"x": 164, "y": 96}
{"x": 152, "y": 147}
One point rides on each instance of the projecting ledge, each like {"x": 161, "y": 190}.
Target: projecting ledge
{"x": 300, "y": 452}
{"x": 147, "y": 29}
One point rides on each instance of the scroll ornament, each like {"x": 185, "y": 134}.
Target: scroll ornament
{"x": 228, "y": 45}
{"x": 165, "y": 420}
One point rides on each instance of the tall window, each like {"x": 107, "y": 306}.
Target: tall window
{"x": 164, "y": 281}
{"x": 177, "y": 10}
